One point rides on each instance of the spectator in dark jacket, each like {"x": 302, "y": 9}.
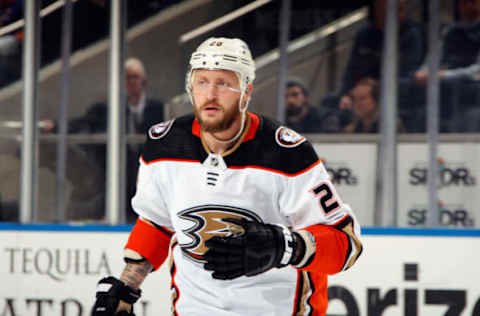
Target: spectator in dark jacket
{"x": 10, "y": 43}
{"x": 461, "y": 46}
{"x": 302, "y": 116}
{"x": 365, "y": 107}
{"x": 141, "y": 114}
{"x": 366, "y": 55}
{"x": 459, "y": 69}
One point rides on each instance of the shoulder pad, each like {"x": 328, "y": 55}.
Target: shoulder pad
{"x": 287, "y": 137}
{"x": 159, "y": 130}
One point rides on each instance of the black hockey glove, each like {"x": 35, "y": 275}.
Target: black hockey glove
{"x": 110, "y": 291}
{"x": 260, "y": 248}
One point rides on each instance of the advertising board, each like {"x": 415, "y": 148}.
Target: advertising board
{"x": 458, "y": 197}
{"x": 410, "y": 275}
{"x": 353, "y": 170}
{"x": 54, "y": 272}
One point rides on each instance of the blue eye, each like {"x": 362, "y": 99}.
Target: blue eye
{"x": 223, "y": 86}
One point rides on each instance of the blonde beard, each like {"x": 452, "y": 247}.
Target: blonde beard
{"x": 224, "y": 124}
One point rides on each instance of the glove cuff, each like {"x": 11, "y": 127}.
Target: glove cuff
{"x": 288, "y": 246}
{"x": 116, "y": 288}
{"x": 309, "y": 250}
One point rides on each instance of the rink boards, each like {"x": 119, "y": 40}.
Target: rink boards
{"x": 353, "y": 168}
{"x": 53, "y": 270}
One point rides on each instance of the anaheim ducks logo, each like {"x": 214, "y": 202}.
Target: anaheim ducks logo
{"x": 159, "y": 130}
{"x": 287, "y": 137}
{"x": 208, "y": 222}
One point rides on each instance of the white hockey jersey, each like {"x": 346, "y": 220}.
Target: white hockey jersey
{"x": 272, "y": 175}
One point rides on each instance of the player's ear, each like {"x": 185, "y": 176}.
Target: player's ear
{"x": 247, "y": 95}
{"x": 249, "y": 90}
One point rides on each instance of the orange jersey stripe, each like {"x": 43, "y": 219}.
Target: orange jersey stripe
{"x": 167, "y": 159}
{"x": 278, "y": 171}
{"x": 332, "y": 248}
{"x": 319, "y": 299}
{"x": 150, "y": 242}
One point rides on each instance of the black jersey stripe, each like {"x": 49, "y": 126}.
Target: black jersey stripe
{"x": 262, "y": 151}
{"x": 339, "y": 226}
{"x": 163, "y": 229}
{"x": 298, "y": 294}
{"x": 304, "y": 293}
{"x": 175, "y": 292}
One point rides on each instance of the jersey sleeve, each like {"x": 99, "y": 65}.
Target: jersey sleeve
{"x": 310, "y": 202}
{"x": 148, "y": 201}
{"x": 150, "y": 242}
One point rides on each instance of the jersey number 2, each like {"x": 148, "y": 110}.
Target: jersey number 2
{"x": 327, "y": 201}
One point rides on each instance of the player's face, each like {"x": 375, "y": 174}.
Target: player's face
{"x": 216, "y": 94}
{"x": 363, "y": 102}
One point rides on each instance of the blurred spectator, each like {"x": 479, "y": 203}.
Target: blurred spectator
{"x": 366, "y": 55}
{"x": 9, "y": 210}
{"x": 471, "y": 121}
{"x": 461, "y": 47}
{"x": 10, "y": 44}
{"x": 459, "y": 68}
{"x": 10, "y": 11}
{"x": 141, "y": 113}
{"x": 302, "y": 116}
{"x": 365, "y": 107}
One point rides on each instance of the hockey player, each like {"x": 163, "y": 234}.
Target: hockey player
{"x": 253, "y": 222}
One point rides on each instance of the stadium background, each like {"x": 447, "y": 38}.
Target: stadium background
{"x": 418, "y": 258}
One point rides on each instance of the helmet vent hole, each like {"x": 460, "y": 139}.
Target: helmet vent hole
{"x": 204, "y": 62}
{"x": 217, "y": 63}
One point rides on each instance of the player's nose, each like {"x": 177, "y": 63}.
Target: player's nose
{"x": 211, "y": 92}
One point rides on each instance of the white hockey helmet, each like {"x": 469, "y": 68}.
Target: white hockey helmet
{"x": 224, "y": 54}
